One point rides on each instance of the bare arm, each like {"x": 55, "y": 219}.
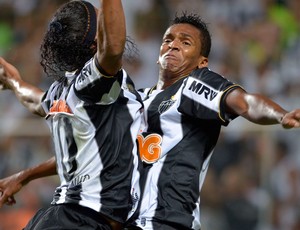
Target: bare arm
{"x": 14, "y": 183}
{"x": 261, "y": 110}
{"x": 111, "y": 35}
{"x": 30, "y": 96}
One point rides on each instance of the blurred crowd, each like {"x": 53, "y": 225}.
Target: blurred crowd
{"x": 254, "y": 179}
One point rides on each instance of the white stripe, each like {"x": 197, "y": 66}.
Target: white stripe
{"x": 204, "y": 94}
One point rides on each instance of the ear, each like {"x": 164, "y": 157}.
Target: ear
{"x": 203, "y": 62}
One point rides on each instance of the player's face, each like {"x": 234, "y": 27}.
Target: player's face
{"x": 180, "y": 50}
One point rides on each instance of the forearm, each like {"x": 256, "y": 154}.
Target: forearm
{"x": 29, "y": 96}
{"x": 262, "y": 110}
{"x": 111, "y": 35}
{"x": 14, "y": 183}
{"x": 47, "y": 168}
{"x": 254, "y": 107}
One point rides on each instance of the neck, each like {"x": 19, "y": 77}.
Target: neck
{"x": 165, "y": 81}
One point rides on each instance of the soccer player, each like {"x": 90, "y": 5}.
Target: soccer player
{"x": 94, "y": 115}
{"x": 184, "y": 113}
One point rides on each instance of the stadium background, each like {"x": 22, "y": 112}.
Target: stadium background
{"x": 254, "y": 178}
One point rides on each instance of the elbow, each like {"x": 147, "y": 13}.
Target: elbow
{"x": 110, "y": 59}
{"x": 112, "y": 47}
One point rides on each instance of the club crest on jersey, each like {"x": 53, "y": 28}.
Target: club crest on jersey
{"x": 165, "y": 105}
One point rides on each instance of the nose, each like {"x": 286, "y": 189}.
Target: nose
{"x": 174, "y": 45}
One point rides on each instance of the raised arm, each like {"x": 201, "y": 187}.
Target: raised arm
{"x": 111, "y": 35}
{"x": 14, "y": 183}
{"x": 29, "y": 95}
{"x": 261, "y": 110}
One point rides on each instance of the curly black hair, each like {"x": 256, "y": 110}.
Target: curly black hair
{"x": 196, "y": 20}
{"x": 62, "y": 48}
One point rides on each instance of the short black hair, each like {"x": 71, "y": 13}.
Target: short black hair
{"x": 196, "y": 21}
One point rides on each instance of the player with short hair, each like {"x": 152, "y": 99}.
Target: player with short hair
{"x": 184, "y": 112}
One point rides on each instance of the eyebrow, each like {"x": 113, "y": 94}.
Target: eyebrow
{"x": 184, "y": 35}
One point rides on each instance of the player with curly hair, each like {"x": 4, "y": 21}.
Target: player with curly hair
{"x": 94, "y": 115}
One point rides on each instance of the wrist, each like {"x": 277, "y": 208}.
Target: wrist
{"x": 281, "y": 117}
{"x": 23, "y": 177}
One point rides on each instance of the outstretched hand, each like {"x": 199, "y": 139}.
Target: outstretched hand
{"x": 8, "y": 73}
{"x": 291, "y": 119}
{"x": 8, "y": 187}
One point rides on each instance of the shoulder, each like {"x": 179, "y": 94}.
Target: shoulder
{"x": 211, "y": 79}
{"x": 207, "y": 74}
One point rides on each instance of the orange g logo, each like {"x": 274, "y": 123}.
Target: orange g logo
{"x": 149, "y": 147}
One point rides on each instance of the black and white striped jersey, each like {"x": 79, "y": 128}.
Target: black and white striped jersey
{"x": 176, "y": 144}
{"x": 94, "y": 120}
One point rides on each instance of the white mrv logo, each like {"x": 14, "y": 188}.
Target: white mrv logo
{"x": 201, "y": 89}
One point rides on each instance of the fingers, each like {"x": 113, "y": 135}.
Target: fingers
{"x": 1, "y": 61}
{"x": 291, "y": 124}
{"x": 2, "y": 199}
{"x": 1, "y": 73}
{"x": 7, "y": 72}
{"x": 10, "y": 201}
{"x": 296, "y": 118}
{"x": 2, "y": 65}
{"x": 6, "y": 199}
{"x": 5, "y": 66}
{"x": 291, "y": 119}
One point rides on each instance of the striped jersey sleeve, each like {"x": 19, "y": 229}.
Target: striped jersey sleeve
{"x": 203, "y": 95}
{"x": 94, "y": 86}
